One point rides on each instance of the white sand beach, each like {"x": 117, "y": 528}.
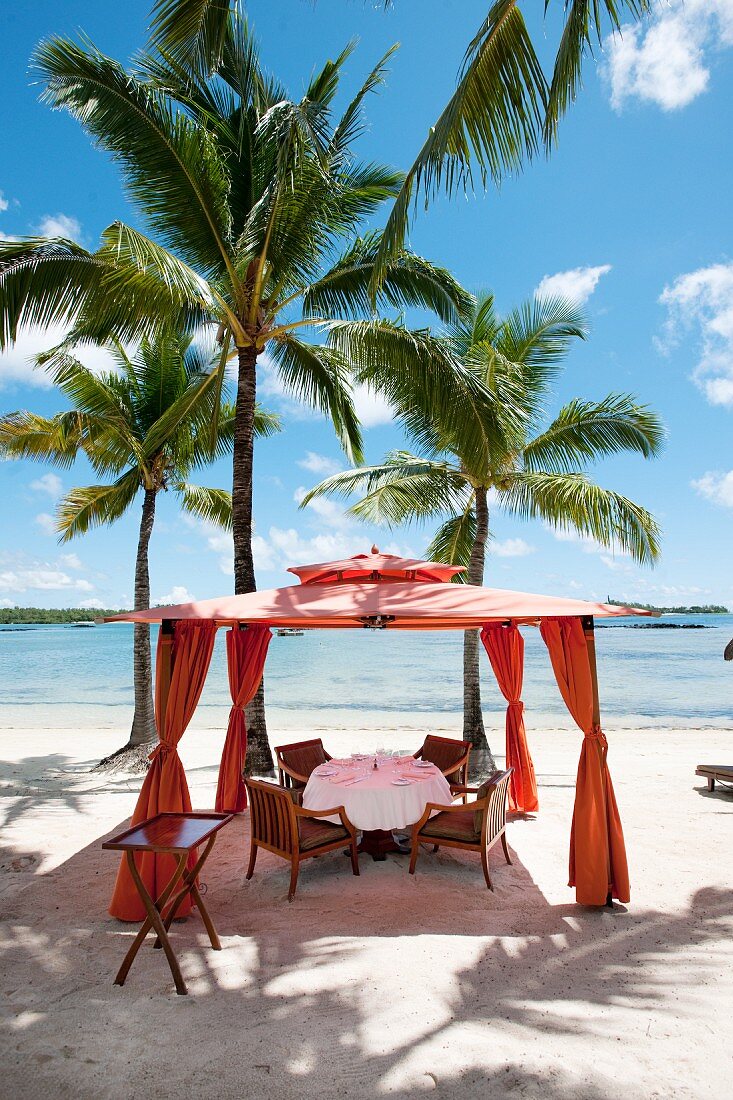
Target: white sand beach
{"x": 379, "y": 985}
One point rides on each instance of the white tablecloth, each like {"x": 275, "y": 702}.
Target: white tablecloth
{"x": 375, "y": 802}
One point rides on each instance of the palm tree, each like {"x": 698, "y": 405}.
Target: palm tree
{"x": 540, "y": 474}
{"x": 251, "y": 197}
{"x": 144, "y": 427}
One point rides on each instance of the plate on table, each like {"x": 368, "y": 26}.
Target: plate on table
{"x": 401, "y": 782}
{"x": 423, "y": 764}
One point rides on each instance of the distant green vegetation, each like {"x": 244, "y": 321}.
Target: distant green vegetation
{"x": 28, "y": 616}
{"x": 694, "y": 609}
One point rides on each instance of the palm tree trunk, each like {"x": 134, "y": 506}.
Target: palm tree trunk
{"x": 259, "y": 757}
{"x": 134, "y": 755}
{"x": 143, "y": 722}
{"x": 482, "y": 759}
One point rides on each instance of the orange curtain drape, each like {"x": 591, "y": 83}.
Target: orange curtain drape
{"x": 597, "y": 851}
{"x": 505, "y": 648}
{"x": 165, "y": 789}
{"x": 246, "y": 653}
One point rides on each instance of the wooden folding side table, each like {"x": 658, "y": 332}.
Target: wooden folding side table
{"x": 169, "y": 834}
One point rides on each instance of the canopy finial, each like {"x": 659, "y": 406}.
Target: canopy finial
{"x": 375, "y": 549}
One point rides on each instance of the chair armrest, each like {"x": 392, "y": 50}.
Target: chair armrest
{"x": 460, "y": 788}
{"x": 335, "y": 811}
{"x": 429, "y": 808}
{"x": 293, "y": 774}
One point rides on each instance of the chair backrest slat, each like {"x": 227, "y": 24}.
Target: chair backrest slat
{"x": 301, "y": 757}
{"x": 444, "y": 751}
{"x": 495, "y": 813}
{"x": 272, "y": 816}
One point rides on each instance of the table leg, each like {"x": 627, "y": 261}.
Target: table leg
{"x": 376, "y": 843}
{"x": 190, "y": 887}
{"x": 155, "y": 921}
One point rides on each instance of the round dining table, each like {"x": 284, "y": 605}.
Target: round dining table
{"x": 378, "y": 800}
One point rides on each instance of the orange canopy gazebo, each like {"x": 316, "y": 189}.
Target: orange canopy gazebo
{"x": 382, "y": 591}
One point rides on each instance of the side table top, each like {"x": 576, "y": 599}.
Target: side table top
{"x": 169, "y": 832}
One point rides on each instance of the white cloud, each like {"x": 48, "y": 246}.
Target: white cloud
{"x": 92, "y": 605}
{"x": 71, "y": 561}
{"x": 577, "y": 284}
{"x": 319, "y": 464}
{"x": 16, "y": 363}
{"x": 46, "y": 523}
{"x": 371, "y": 408}
{"x": 177, "y": 594}
{"x": 511, "y": 548}
{"x": 587, "y": 544}
{"x": 328, "y": 512}
{"x": 716, "y": 487}
{"x": 60, "y": 225}
{"x": 702, "y": 301}
{"x": 43, "y": 579}
{"x": 3, "y": 202}
{"x": 615, "y": 565}
{"x": 666, "y": 60}
{"x": 48, "y": 483}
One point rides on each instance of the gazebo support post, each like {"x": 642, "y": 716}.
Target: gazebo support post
{"x": 589, "y": 631}
{"x": 164, "y": 674}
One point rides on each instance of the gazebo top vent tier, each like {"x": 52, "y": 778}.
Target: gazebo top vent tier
{"x": 375, "y": 567}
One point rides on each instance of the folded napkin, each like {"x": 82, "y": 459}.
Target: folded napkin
{"x": 359, "y": 779}
{"x": 340, "y": 778}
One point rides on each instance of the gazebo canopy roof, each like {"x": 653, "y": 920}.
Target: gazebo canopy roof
{"x": 373, "y": 591}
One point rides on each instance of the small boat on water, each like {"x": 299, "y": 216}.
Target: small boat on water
{"x": 289, "y": 632}
{"x": 84, "y": 622}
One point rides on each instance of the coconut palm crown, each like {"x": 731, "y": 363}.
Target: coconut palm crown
{"x": 257, "y": 207}
{"x": 542, "y": 473}
{"x": 145, "y": 426}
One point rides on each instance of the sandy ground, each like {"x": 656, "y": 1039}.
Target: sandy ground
{"x": 378, "y": 985}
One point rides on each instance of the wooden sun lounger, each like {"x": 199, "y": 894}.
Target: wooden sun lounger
{"x": 721, "y": 773}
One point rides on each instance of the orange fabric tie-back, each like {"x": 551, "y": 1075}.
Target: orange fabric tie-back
{"x": 164, "y": 789}
{"x": 246, "y": 653}
{"x": 598, "y": 864}
{"x": 505, "y": 648}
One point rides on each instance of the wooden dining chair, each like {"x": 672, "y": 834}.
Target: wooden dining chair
{"x": 475, "y": 827}
{"x": 296, "y": 762}
{"x": 449, "y": 755}
{"x": 283, "y": 827}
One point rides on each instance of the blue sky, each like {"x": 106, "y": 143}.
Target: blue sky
{"x": 631, "y": 215}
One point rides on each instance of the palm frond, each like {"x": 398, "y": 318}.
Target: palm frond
{"x": 583, "y": 23}
{"x": 191, "y": 31}
{"x": 85, "y": 508}
{"x": 494, "y": 118}
{"x": 350, "y": 126}
{"x": 403, "y": 489}
{"x": 408, "y": 281}
{"x": 171, "y": 166}
{"x": 318, "y": 376}
{"x": 573, "y": 502}
{"x": 586, "y": 430}
{"x": 454, "y": 539}
{"x": 44, "y": 282}
{"x": 54, "y": 439}
{"x": 441, "y": 402}
{"x": 211, "y": 505}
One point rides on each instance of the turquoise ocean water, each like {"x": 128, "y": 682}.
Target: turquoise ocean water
{"x": 82, "y": 678}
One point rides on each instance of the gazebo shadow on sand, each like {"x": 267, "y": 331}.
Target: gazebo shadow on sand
{"x": 357, "y": 987}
